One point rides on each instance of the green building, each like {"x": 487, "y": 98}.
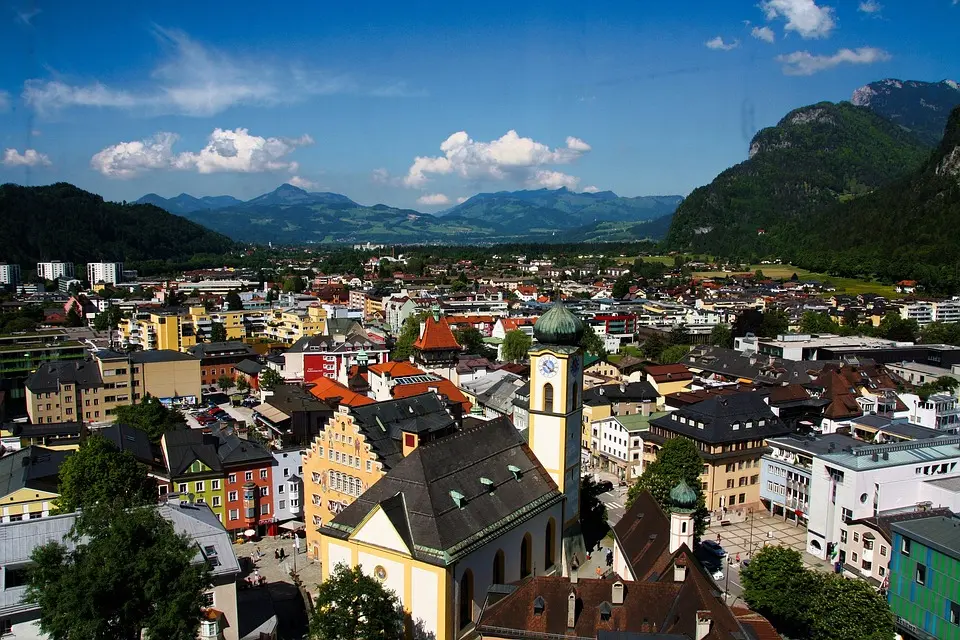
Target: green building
{"x": 21, "y": 354}
{"x": 924, "y": 590}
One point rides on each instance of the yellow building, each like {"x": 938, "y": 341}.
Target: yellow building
{"x": 373, "y": 308}
{"x": 289, "y": 325}
{"x": 91, "y": 390}
{"x": 164, "y": 330}
{"x": 477, "y": 508}
{"x": 28, "y": 482}
{"x": 358, "y": 446}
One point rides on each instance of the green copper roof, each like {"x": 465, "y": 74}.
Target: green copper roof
{"x": 683, "y": 497}
{"x": 558, "y": 326}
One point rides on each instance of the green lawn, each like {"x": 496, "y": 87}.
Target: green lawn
{"x": 852, "y": 286}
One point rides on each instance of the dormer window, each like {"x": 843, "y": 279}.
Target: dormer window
{"x": 458, "y": 499}
{"x": 605, "y": 610}
{"x": 515, "y": 471}
{"x": 487, "y": 484}
{"x": 538, "y": 605}
{"x": 735, "y": 426}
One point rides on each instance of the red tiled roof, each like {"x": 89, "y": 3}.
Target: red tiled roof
{"x": 395, "y": 369}
{"x": 334, "y": 393}
{"x": 668, "y": 372}
{"x": 443, "y": 387}
{"x": 437, "y": 336}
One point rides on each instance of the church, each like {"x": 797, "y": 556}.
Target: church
{"x": 480, "y": 507}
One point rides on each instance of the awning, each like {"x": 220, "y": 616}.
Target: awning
{"x": 293, "y": 525}
{"x": 271, "y": 413}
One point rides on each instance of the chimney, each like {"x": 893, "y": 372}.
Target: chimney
{"x": 617, "y": 597}
{"x": 704, "y": 621}
{"x": 680, "y": 569}
{"x": 572, "y": 610}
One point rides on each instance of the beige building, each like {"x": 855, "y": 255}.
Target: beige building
{"x": 289, "y": 325}
{"x": 91, "y": 390}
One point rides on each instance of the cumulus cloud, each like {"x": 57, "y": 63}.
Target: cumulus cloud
{"x": 226, "y": 151}
{"x": 433, "y": 199}
{"x": 870, "y": 6}
{"x": 804, "y": 63}
{"x": 509, "y": 156}
{"x": 380, "y": 176}
{"x": 303, "y": 183}
{"x": 193, "y": 80}
{"x": 590, "y": 189}
{"x": 29, "y": 158}
{"x": 552, "y": 179}
{"x": 717, "y": 44}
{"x": 804, "y": 17}
{"x": 763, "y": 33}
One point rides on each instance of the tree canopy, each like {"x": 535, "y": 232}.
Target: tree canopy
{"x": 128, "y": 571}
{"x": 269, "y": 378}
{"x": 592, "y": 343}
{"x": 721, "y": 336}
{"x": 678, "y": 459}
{"x": 151, "y": 416}
{"x": 593, "y": 512}
{"x": 351, "y": 604}
{"x": 515, "y": 345}
{"x": 100, "y": 474}
{"x": 816, "y": 323}
{"x": 409, "y": 332}
{"x": 218, "y": 332}
{"x": 621, "y": 286}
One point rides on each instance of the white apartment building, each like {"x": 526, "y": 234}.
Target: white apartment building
{"x": 105, "y": 272}
{"x": 925, "y": 312}
{"x": 940, "y": 411}
{"x": 55, "y": 269}
{"x": 865, "y": 481}
{"x": 9, "y": 273}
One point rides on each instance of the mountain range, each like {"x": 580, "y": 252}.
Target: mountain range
{"x": 291, "y": 215}
{"x": 814, "y": 158}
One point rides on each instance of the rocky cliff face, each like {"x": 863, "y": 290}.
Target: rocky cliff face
{"x": 920, "y": 107}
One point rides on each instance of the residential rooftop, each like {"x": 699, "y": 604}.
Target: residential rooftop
{"x": 879, "y": 456}
{"x": 941, "y": 533}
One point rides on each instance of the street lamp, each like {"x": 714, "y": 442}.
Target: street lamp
{"x": 750, "y": 546}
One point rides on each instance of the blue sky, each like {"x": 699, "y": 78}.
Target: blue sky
{"x": 420, "y": 104}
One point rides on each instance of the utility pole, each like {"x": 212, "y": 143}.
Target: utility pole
{"x": 750, "y": 547}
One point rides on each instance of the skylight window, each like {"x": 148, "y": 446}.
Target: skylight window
{"x": 458, "y": 499}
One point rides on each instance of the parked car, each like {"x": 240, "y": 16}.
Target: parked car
{"x": 713, "y": 547}
{"x": 604, "y": 485}
{"x": 716, "y": 574}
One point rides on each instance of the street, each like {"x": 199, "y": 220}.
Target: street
{"x": 615, "y": 501}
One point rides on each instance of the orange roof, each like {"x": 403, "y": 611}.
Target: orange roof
{"x": 443, "y": 387}
{"x": 395, "y": 369}
{"x": 334, "y": 393}
{"x": 510, "y": 324}
{"x": 437, "y": 335}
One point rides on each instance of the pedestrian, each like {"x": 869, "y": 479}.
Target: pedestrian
{"x": 276, "y": 555}
{"x": 296, "y": 544}
{"x": 282, "y": 554}
{"x": 718, "y": 538}
{"x": 599, "y": 571}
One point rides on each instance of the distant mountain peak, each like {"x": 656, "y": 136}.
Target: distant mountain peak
{"x": 920, "y": 107}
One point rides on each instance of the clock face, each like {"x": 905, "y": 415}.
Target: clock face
{"x": 549, "y": 366}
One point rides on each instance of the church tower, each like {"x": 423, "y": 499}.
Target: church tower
{"x": 556, "y": 406}
{"x": 683, "y": 502}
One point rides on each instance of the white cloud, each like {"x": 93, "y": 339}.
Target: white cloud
{"x": 590, "y": 189}
{"x": 303, "y": 183}
{"x": 509, "y": 156}
{"x": 552, "y": 179}
{"x": 717, "y": 44}
{"x": 433, "y": 199}
{"x": 462, "y": 199}
{"x": 803, "y": 16}
{"x": 192, "y": 80}
{"x": 29, "y": 158}
{"x": 870, "y": 6}
{"x": 380, "y": 176}
{"x": 763, "y": 33}
{"x": 226, "y": 151}
{"x": 804, "y": 63}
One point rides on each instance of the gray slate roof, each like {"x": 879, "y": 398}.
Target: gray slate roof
{"x": 49, "y": 375}
{"x": 939, "y": 532}
{"x": 416, "y": 494}
{"x": 221, "y": 349}
{"x": 34, "y": 467}
{"x": 719, "y": 414}
{"x": 382, "y": 423}
{"x": 604, "y": 394}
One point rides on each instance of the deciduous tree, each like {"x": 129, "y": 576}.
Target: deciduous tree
{"x": 269, "y": 378}
{"x": 218, "y": 332}
{"x": 515, "y": 345}
{"x": 150, "y": 416}
{"x": 225, "y": 383}
{"x": 351, "y": 604}
{"x": 677, "y": 459}
{"x": 721, "y": 336}
{"x": 592, "y": 343}
{"x": 98, "y": 473}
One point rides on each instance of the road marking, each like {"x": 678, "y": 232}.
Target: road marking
{"x": 615, "y": 505}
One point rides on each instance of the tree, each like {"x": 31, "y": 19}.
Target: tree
{"x": 674, "y": 353}
{"x": 471, "y": 340}
{"x": 721, "y": 336}
{"x": 225, "y": 383}
{"x": 621, "y": 286}
{"x": 234, "y": 303}
{"x": 895, "y": 327}
{"x": 98, "y": 473}
{"x": 940, "y": 385}
{"x": 269, "y": 378}
{"x": 748, "y": 321}
{"x": 679, "y": 335}
{"x": 848, "y": 610}
{"x": 653, "y": 346}
{"x": 592, "y": 343}
{"x": 774, "y": 323}
{"x": 678, "y": 459}
{"x": 351, "y": 604}
{"x": 242, "y": 385}
{"x": 73, "y": 318}
{"x": 593, "y": 512}
{"x": 773, "y": 584}
{"x": 515, "y": 345}
{"x": 816, "y": 323}
{"x": 129, "y": 571}
{"x": 108, "y": 319}
{"x": 150, "y": 416}
{"x": 218, "y": 332}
